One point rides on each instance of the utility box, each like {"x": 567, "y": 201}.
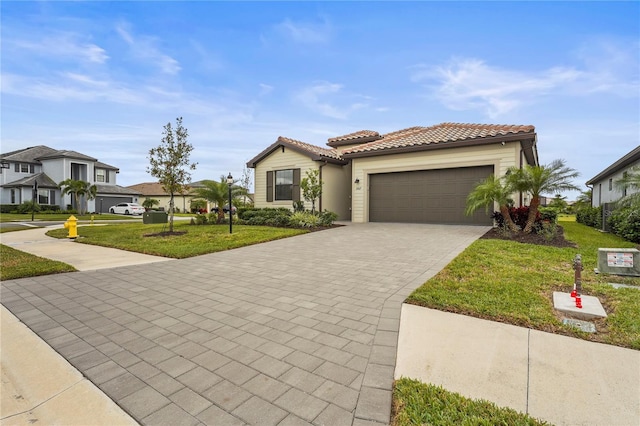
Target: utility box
{"x": 619, "y": 261}
{"x": 154, "y": 217}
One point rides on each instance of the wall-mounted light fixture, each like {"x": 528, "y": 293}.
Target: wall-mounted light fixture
{"x": 356, "y": 181}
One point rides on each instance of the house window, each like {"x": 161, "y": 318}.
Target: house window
{"x": 284, "y": 185}
{"x": 43, "y": 196}
{"x": 610, "y": 184}
{"x": 100, "y": 175}
{"x": 624, "y": 190}
{"x": 24, "y": 168}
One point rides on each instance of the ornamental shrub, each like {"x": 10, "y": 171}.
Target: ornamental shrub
{"x": 28, "y": 207}
{"x": 304, "y": 220}
{"x": 590, "y": 216}
{"x": 327, "y": 218}
{"x": 625, "y": 220}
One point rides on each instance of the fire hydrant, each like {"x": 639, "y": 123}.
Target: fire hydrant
{"x": 72, "y": 225}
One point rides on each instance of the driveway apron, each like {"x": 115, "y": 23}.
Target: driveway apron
{"x": 302, "y": 330}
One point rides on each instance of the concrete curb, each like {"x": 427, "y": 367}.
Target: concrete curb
{"x": 39, "y": 385}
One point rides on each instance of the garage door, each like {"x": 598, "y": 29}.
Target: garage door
{"x": 426, "y": 196}
{"x": 103, "y": 203}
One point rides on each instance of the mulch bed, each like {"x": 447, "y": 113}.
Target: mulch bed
{"x": 557, "y": 241}
{"x": 165, "y": 234}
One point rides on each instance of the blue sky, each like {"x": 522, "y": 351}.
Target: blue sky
{"x": 103, "y": 78}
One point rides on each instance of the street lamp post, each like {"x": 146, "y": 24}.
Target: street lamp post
{"x": 230, "y": 182}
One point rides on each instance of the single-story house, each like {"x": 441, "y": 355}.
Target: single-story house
{"x": 154, "y": 190}
{"x": 21, "y": 170}
{"x": 414, "y": 175}
{"x": 603, "y": 184}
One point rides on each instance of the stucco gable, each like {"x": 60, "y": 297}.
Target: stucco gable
{"x": 315, "y": 153}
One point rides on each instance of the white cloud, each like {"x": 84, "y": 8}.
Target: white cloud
{"x": 305, "y": 32}
{"x": 472, "y": 84}
{"x": 312, "y": 98}
{"x": 265, "y": 89}
{"x": 62, "y": 46}
{"x": 144, "y": 48}
{"x": 469, "y": 83}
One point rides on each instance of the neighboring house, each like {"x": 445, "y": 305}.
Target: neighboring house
{"x": 414, "y": 175}
{"x": 154, "y": 190}
{"x": 48, "y": 167}
{"x": 603, "y": 184}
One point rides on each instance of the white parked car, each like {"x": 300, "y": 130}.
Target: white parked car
{"x": 127, "y": 208}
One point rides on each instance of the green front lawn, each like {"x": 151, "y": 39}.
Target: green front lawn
{"x": 513, "y": 283}
{"x": 18, "y": 264}
{"x": 197, "y": 240}
{"x": 416, "y": 403}
{"x": 56, "y": 217}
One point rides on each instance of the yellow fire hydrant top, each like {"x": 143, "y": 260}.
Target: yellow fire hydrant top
{"x": 72, "y": 225}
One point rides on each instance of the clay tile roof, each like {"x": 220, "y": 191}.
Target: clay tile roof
{"x": 311, "y": 149}
{"x": 442, "y": 133}
{"x": 150, "y": 189}
{"x": 361, "y": 134}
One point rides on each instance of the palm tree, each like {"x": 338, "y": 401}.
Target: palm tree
{"x": 536, "y": 180}
{"x": 486, "y": 193}
{"x": 78, "y": 188}
{"x": 148, "y": 203}
{"x": 215, "y": 192}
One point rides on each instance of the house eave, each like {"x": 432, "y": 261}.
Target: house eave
{"x": 313, "y": 156}
{"x": 622, "y": 163}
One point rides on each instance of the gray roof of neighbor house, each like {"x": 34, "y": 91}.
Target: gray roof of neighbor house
{"x": 412, "y": 139}
{"x": 101, "y": 165}
{"x": 34, "y": 154}
{"x": 28, "y": 155}
{"x": 43, "y": 180}
{"x": 441, "y": 135}
{"x": 625, "y": 161}
{"x": 316, "y": 153}
{"x": 116, "y": 189}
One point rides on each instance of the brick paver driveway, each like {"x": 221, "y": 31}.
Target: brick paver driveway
{"x": 296, "y": 331}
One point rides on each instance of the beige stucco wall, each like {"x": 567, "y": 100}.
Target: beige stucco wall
{"x": 500, "y": 156}
{"x": 178, "y": 201}
{"x": 336, "y": 190}
{"x": 278, "y": 160}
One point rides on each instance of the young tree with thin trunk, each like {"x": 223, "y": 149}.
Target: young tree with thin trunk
{"x": 169, "y": 162}
{"x": 311, "y": 186}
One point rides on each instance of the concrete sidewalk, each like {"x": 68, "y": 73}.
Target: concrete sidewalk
{"x": 560, "y": 379}
{"x": 81, "y": 256}
{"x": 38, "y": 385}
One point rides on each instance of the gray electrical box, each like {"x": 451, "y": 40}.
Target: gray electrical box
{"x": 619, "y": 261}
{"x": 154, "y": 217}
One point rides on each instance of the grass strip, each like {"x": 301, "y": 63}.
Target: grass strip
{"x": 196, "y": 241}
{"x": 57, "y": 217}
{"x": 417, "y": 403}
{"x": 18, "y": 264}
{"x": 513, "y": 283}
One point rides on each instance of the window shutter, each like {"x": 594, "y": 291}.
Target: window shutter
{"x": 269, "y": 187}
{"x": 295, "y": 190}
{"x": 52, "y": 200}
{"x": 106, "y": 176}
{"x": 17, "y": 168}
{"x": 32, "y": 168}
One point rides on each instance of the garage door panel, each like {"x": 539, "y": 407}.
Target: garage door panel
{"x": 426, "y": 196}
